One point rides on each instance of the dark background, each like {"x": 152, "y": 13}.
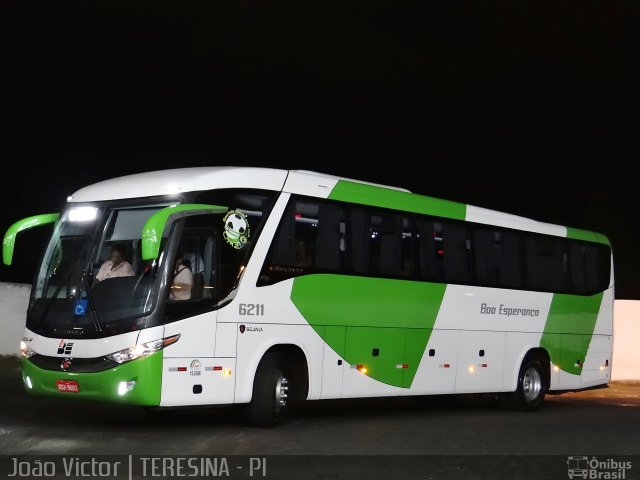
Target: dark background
{"x": 529, "y": 108}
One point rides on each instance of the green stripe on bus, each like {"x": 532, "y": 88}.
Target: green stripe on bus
{"x": 153, "y": 229}
{"x": 569, "y": 328}
{"x": 383, "y": 324}
{"x": 587, "y": 235}
{"x": 364, "y": 194}
{"x": 102, "y": 386}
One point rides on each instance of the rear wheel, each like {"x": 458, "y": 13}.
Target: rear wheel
{"x": 270, "y": 393}
{"x": 531, "y": 388}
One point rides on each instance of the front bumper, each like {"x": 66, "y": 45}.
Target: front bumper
{"x": 101, "y": 386}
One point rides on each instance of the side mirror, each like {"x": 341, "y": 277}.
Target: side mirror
{"x": 156, "y": 224}
{"x": 9, "y": 241}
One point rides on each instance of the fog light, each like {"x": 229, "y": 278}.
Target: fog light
{"x": 27, "y": 382}
{"x": 472, "y": 369}
{"x": 125, "y": 387}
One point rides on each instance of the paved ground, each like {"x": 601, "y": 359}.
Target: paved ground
{"x": 594, "y": 422}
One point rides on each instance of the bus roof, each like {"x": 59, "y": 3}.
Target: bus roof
{"x": 176, "y": 181}
{"x": 179, "y": 180}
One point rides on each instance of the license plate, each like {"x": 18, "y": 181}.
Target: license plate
{"x": 68, "y": 386}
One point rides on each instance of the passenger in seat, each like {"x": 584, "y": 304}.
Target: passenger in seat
{"x": 182, "y": 280}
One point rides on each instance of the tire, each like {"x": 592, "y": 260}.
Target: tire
{"x": 531, "y": 388}
{"x": 270, "y": 393}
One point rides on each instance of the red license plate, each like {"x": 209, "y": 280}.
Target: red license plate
{"x": 68, "y": 386}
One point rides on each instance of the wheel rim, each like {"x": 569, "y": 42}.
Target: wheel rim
{"x": 531, "y": 384}
{"x": 282, "y": 388}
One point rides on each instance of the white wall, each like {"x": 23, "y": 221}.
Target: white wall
{"x": 14, "y": 298}
{"x": 626, "y": 340}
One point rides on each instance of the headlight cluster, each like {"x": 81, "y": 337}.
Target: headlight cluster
{"x": 142, "y": 349}
{"x": 25, "y": 351}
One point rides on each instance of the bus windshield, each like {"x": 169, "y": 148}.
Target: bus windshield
{"x": 92, "y": 281}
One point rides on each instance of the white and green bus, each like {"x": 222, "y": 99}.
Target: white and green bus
{"x": 308, "y": 286}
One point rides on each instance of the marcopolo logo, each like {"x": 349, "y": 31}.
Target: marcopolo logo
{"x": 64, "y": 348}
{"x": 597, "y": 468}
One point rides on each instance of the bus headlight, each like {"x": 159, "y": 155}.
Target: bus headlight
{"x": 142, "y": 349}
{"x": 83, "y": 214}
{"x": 25, "y": 351}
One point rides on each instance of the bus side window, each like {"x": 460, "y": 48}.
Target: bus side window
{"x": 510, "y": 270}
{"x": 429, "y": 244}
{"x": 381, "y": 244}
{"x": 407, "y": 256}
{"x": 360, "y": 229}
{"x": 282, "y": 251}
{"x": 456, "y": 252}
{"x": 497, "y": 258}
{"x": 198, "y": 262}
{"x": 309, "y": 239}
{"x": 330, "y": 241}
{"x": 488, "y": 246}
{"x": 578, "y": 255}
{"x": 546, "y": 263}
{"x": 597, "y": 268}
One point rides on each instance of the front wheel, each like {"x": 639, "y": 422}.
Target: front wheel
{"x": 270, "y": 393}
{"x": 531, "y": 388}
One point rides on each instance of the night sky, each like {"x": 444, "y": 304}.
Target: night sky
{"x": 528, "y": 108}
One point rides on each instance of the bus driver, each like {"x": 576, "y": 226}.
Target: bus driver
{"x": 117, "y": 266}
